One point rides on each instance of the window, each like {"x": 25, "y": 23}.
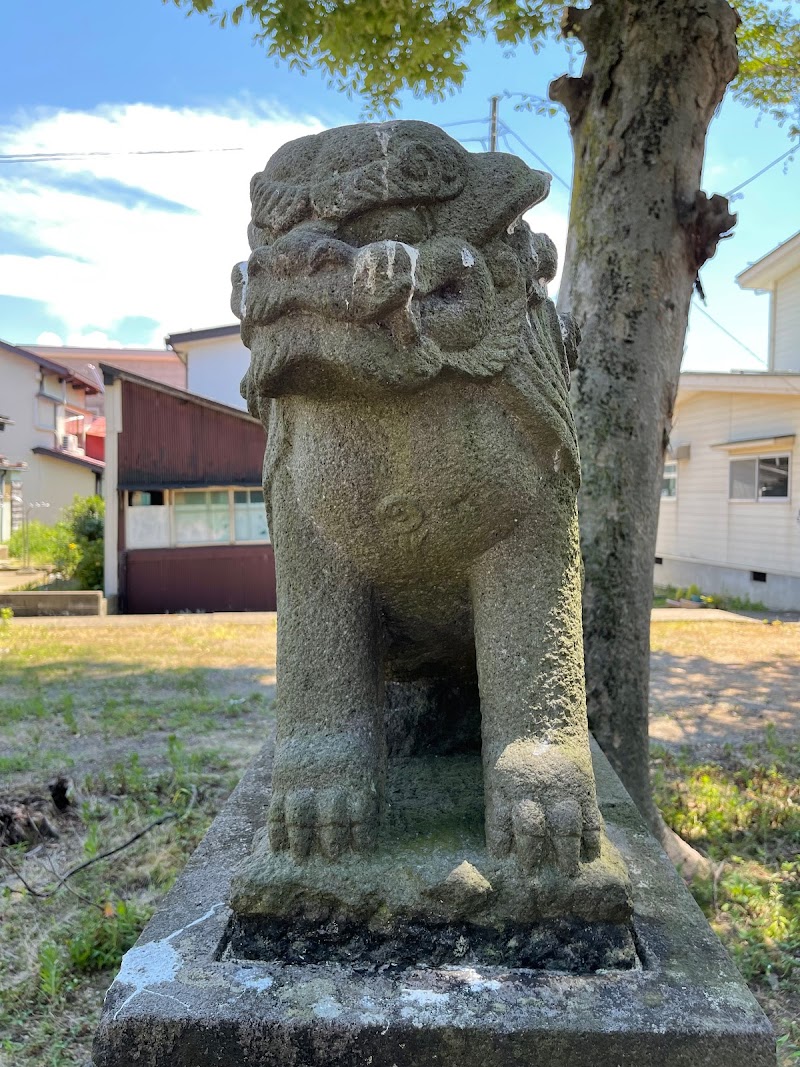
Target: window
{"x": 249, "y": 517}
{"x": 52, "y": 386}
{"x": 142, "y": 499}
{"x": 202, "y": 516}
{"x": 74, "y": 425}
{"x": 759, "y": 478}
{"x": 669, "y": 483}
{"x": 159, "y": 518}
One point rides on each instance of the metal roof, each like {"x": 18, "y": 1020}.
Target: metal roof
{"x": 112, "y": 374}
{"x": 202, "y": 335}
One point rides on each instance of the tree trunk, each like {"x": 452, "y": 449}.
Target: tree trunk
{"x": 640, "y": 229}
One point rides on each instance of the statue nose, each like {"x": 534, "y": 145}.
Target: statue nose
{"x": 303, "y": 252}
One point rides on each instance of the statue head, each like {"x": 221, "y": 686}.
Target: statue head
{"x": 384, "y": 253}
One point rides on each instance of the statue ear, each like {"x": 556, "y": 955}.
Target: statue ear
{"x": 498, "y": 189}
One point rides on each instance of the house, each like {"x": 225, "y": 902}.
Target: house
{"x": 159, "y": 364}
{"x": 47, "y": 411}
{"x": 778, "y": 273}
{"x": 729, "y": 520}
{"x": 216, "y": 361}
{"x": 185, "y": 521}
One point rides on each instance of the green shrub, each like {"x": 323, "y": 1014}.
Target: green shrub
{"x": 101, "y": 938}
{"x": 73, "y": 547}
{"x": 45, "y": 544}
{"x": 86, "y": 520}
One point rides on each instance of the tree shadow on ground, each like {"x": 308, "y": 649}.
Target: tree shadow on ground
{"x": 706, "y": 704}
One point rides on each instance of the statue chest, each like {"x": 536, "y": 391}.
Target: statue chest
{"x": 428, "y": 476}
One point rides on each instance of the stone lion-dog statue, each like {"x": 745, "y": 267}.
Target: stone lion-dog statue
{"x": 421, "y": 477}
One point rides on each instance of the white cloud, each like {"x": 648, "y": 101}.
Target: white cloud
{"x": 111, "y": 260}
{"x": 114, "y": 260}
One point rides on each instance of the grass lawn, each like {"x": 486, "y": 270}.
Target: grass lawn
{"x": 149, "y": 720}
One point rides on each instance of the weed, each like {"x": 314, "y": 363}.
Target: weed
{"x": 745, "y": 813}
{"x": 51, "y": 971}
{"x": 101, "y": 938}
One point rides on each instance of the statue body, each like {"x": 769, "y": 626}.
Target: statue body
{"x": 421, "y": 481}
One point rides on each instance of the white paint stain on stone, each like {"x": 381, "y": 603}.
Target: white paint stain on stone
{"x": 154, "y": 963}
{"x": 467, "y": 258}
{"x": 253, "y": 980}
{"x": 243, "y": 301}
{"x": 327, "y": 1008}
{"x": 369, "y": 263}
{"x": 475, "y": 981}
{"x": 425, "y": 998}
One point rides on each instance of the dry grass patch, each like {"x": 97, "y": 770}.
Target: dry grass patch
{"x": 726, "y": 716}
{"x": 146, "y": 720}
{"x": 162, "y": 718}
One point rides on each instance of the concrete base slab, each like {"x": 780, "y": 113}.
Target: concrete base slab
{"x": 187, "y": 997}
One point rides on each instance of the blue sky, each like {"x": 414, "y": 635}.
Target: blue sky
{"x": 124, "y": 248}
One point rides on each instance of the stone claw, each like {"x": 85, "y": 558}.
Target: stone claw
{"x": 529, "y": 829}
{"x": 326, "y": 821}
{"x": 566, "y": 825}
{"x": 542, "y": 808}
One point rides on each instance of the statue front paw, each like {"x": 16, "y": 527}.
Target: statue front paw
{"x": 326, "y": 799}
{"x": 325, "y": 821}
{"x": 542, "y": 807}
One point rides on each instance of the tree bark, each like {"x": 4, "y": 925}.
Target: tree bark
{"x": 640, "y": 229}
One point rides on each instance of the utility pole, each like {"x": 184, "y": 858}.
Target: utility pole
{"x": 495, "y": 102}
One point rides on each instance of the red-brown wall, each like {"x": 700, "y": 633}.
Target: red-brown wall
{"x": 208, "y": 578}
{"x": 171, "y": 442}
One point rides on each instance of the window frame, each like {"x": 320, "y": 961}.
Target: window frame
{"x": 247, "y": 489}
{"x": 669, "y": 463}
{"x": 757, "y": 459}
{"x": 169, "y": 503}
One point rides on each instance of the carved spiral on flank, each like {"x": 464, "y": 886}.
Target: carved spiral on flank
{"x": 401, "y": 513}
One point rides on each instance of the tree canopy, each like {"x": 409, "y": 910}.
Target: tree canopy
{"x": 376, "y": 49}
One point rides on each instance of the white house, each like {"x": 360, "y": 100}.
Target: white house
{"x": 46, "y": 412}
{"x": 730, "y": 507}
{"x": 778, "y": 273}
{"x": 216, "y": 361}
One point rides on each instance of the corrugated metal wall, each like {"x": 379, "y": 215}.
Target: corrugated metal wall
{"x": 169, "y": 442}
{"x": 213, "y": 578}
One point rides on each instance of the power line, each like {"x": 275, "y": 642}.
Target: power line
{"x": 537, "y": 157}
{"x": 52, "y": 157}
{"x": 787, "y": 381}
{"x": 763, "y": 170}
{"x": 503, "y": 129}
{"x": 728, "y": 333}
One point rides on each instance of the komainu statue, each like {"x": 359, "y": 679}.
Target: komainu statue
{"x": 421, "y": 478}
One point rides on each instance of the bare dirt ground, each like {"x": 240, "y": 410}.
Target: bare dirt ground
{"x": 718, "y": 684}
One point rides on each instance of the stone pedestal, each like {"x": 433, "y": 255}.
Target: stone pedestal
{"x": 191, "y": 993}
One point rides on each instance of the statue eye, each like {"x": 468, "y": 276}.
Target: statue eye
{"x": 448, "y": 291}
{"x": 384, "y": 224}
